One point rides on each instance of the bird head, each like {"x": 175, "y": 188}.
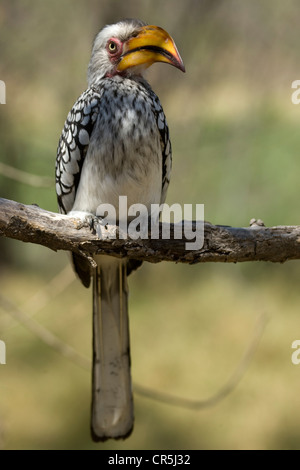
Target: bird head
{"x": 130, "y": 47}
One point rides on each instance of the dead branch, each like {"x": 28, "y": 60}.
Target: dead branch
{"x": 65, "y": 350}
{"x": 43, "y": 333}
{"x": 26, "y": 178}
{"x": 221, "y": 243}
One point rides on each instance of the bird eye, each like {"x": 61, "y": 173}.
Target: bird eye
{"x": 112, "y": 46}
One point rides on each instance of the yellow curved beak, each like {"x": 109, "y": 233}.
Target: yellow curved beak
{"x": 152, "y": 44}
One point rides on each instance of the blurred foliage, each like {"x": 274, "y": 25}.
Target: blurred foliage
{"x": 236, "y": 139}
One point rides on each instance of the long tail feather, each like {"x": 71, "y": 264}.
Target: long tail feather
{"x": 112, "y": 402}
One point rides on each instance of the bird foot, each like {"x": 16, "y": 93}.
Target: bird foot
{"x": 87, "y": 219}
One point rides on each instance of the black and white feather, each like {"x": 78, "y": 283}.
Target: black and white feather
{"x": 73, "y": 146}
{"x": 91, "y": 116}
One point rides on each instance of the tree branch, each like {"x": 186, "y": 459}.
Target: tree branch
{"x": 26, "y": 178}
{"x": 221, "y": 243}
{"x": 67, "y": 351}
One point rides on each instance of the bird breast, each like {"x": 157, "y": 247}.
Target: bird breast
{"x": 124, "y": 157}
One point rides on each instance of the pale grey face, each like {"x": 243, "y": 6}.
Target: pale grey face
{"x": 102, "y": 60}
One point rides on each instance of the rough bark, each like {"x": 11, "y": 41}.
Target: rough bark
{"x": 221, "y": 243}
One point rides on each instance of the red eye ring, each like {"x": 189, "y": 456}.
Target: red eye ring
{"x": 114, "y": 47}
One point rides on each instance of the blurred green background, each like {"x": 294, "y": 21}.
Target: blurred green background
{"x": 236, "y": 140}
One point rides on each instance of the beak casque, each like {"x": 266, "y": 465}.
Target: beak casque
{"x": 152, "y": 44}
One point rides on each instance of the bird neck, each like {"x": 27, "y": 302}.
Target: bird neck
{"x": 137, "y": 78}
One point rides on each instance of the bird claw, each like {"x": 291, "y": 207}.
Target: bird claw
{"x": 86, "y": 219}
{"x": 95, "y": 224}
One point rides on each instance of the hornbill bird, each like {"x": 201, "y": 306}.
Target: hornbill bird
{"x": 115, "y": 142}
